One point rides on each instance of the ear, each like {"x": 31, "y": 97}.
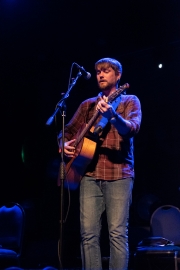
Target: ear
{"x": 118, "y": 77}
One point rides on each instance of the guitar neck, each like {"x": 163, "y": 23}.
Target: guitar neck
{"x": 118, "y": 92}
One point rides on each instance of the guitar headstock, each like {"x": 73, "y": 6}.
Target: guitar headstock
{"x": 119, "y": 91}
{"x": 123, "y": 87}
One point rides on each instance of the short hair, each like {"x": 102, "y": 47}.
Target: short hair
{"x": 113, "y": 63}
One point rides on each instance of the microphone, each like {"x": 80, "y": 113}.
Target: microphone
{"x": 85, "y": 74}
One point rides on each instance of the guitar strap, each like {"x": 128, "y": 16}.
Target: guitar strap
{"x": 103, "y": 121}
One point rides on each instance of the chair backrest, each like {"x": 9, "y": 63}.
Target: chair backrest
{"x": 12, "y": 221}
{"x": 165, "y": 222}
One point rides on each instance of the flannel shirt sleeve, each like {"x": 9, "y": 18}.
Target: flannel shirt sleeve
{"x": 133, "y": 113}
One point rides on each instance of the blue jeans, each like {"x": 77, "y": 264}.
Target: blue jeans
{"x": 96, "y": 196}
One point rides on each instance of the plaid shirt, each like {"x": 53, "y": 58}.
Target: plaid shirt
{"x": 113, "y": 158}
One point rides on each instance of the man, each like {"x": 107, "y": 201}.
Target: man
{"x": 108, "y": 180}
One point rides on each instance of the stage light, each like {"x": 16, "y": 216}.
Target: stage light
{"x": 160, "y": 65}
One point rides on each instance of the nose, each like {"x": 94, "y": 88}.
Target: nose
{"x": 101, "y": 75}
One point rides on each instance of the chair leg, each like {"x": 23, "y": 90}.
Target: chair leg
{"x": 175, "y": 260}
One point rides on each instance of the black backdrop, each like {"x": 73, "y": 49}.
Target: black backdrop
{"x": 39, "y": 42}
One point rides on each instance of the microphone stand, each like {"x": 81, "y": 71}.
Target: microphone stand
{"x": 61, "y": 106}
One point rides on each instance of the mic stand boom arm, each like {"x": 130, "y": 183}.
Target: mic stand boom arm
{"x": 60, "y": 104}
{"x": 61, "y": 177}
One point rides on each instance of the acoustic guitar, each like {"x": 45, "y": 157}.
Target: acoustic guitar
{"x": 85, "y": 146}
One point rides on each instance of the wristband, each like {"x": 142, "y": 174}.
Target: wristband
{"x": 113, "y": 119}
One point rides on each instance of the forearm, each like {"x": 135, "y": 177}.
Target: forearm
{"x": 127, "y": 122}
{"x": 123, "y": 126}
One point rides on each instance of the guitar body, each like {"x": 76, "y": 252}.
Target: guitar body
{"x": 84, "y": 152}
{"x": 76, "y": 167}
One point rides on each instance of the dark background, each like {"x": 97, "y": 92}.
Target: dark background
{"x": 39, "y": 41}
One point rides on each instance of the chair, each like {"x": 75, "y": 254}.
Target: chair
{"x": 12, "y": 220}
{"x": 161, "y": 251}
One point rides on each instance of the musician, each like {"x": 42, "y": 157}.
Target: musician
{"x": 108, "y": 180}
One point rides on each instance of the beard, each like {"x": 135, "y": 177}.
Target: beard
{"x": 105, "y": 85}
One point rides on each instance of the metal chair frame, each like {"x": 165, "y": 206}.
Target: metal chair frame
{"x": 168, "y": 251}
